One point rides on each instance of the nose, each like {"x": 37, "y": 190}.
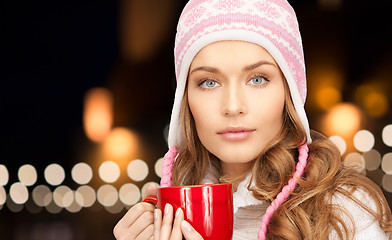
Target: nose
{"x": 234, "y": 101}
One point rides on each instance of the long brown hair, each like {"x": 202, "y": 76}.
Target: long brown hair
{"x": 309, "y": 213}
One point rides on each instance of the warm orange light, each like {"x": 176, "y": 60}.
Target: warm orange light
{"x": 141, "y": 36}
{"x": 325, "y": 87}
{"x": 98, "y": 114}
{"x": 372, "y": 99}
{"x": 121, "y": 143}
{"x": 376, "y": 104}
{"x": 327, "y": 97}
{"x": 343, "y": 120}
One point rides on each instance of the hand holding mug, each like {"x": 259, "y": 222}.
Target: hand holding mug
{"x": 208, "y": 208}
{"x": 138, "y": 222}
{"x": 144, "y": 221}
{"x": 167, "y": 229}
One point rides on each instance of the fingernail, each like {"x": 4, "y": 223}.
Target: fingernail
{"x": 156, "y": 213}
{"x": 186, "y": 225}
{"x": 167, "y": 208}
{"x": 178, "y": 212}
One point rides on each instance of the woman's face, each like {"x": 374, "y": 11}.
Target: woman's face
{"x": 236, "y": 96}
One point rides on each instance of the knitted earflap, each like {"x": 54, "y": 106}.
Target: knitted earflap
{"x": 167, "y": 166}
{"x": 286, "y": 191}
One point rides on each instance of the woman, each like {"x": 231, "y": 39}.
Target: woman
{"x": 239, "y": 117}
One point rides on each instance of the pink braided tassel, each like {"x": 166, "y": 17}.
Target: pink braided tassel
{"x": 286, "y": 191}
{"x": 168, "y": 161}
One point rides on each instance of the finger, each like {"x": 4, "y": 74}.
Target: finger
{"x": 147, "y": 233}
{"x": 167, "y": 222}
{"x": 145, "y": 221}
{"x": 189, "y": 232}
{"x": 176, "y": 232}
{"x": 131, "y": 216}
{"x": 157, "y": 223}
{"x": 150, "y": 190}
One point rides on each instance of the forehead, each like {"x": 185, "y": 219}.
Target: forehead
{"x": 239, "y": 52}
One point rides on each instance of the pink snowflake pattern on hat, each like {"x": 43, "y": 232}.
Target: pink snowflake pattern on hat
{"x": 268, "y": 9}
{"x": 227, "y": 5}
{"x": 193, "y": 15}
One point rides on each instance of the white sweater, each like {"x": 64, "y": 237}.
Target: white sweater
{"x": 249, "y": 211}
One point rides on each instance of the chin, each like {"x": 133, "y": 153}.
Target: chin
{"x": 236, "y": 157}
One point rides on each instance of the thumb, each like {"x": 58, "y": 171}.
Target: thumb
{"x": 150, "y": 189}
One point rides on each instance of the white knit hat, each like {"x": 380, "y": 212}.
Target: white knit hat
{"x": 272, "y": 24}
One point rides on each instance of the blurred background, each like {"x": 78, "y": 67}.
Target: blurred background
{"x": 86, "y": 95}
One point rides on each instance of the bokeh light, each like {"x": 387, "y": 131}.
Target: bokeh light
{"x": 356, "y": 161}
{"x": 387, "y": 135}
{"x": 4, "y": 176}
{"x": 326, "y": 87}
{"x": 137, "y": 170}
{"x": 327, "y": 97}
{"x": 372, "y": 99}
{"x": 98, "y": 114}
{"x": 19, "y": 193}
{"x": 109, "y": 171}
{"x": 82, "y": 173}
{"x": 343, "y": 120}
{"x": 376, "y": 104}
{"x": 53, "y": 208}
{"x": 115, "y": 208}
{"x": 129, "y": 194}
{"x": 372, "y": 160}
{"x": 12, "y": 206}
{"x": 137, "y": 45}
{"x": 63, "y": 196}
{"x": 27, "y": 175}
{"x": 340, "y": 143}
{"x": 3, "y": 195}
{"x": 54, "y": 174}
{"x": 42, "y": 195}
{"x": 68, "y": 198}
{"x": 107, "y": 195}
{"x": 121, "y": 143}
{"x": 387, "y": 182}
{"x": 386, "y": 163}
{"x": 73, "y": 207}
{"x": 364, "y": 141}
{"x": 32, "y": 207}
{"x": 85, "y": 196}
{"x": 158, "y": 167}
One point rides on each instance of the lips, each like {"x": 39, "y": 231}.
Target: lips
{"x": 236, "y": 133}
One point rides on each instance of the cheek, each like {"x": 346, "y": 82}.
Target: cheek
{"x": 206, "y": 120}
{"x": 276, "y": 115}
{"x": 200, "y": 114}
{"x": 269, "y": 111}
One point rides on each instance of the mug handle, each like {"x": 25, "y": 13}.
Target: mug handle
{"x": 152, "y": 200}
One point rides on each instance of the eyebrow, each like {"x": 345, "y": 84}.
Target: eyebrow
{"x": 256, "y": 65}
{"x": 206, "y": 69}
{"x": 245, "y": 69}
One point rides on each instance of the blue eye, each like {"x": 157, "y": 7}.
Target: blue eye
{"x": 209, "y": 84}
{"x": 258, "y": 80}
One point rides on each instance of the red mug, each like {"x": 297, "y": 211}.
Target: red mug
{"x": 208, "y": 208}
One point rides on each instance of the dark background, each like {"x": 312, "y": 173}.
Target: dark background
{"x": 53, "y": 52}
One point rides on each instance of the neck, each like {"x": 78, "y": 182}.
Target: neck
{"x": 235, "y": 172}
